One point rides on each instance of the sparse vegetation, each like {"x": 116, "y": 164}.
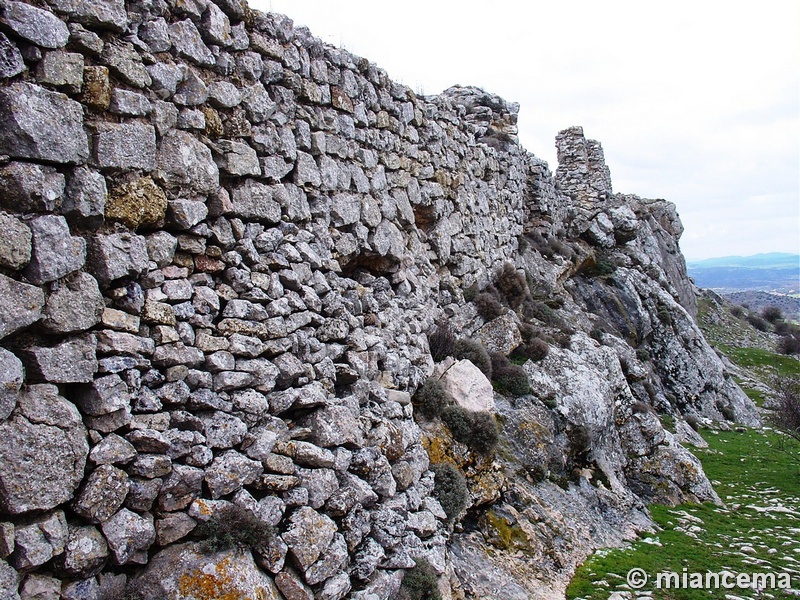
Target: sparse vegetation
{"x": 478, "y": 430}
{"x": 458, "y": 422}
{"x": 485, "y": 432}
{"x": 420, "y": 582}
{"x": 773, "y": 314}
{"x": 509, "y": 378}
{"x": 450, "y": 489}
{"x": 431, "y": 398}
{"x": 760, "y": 487}
{"x": 231, "y": 528}
{"x": 473, "y": 351}
{"x": 442, "y": 341}
{"x": 600, "y": 267}
{"x": 488, "y": 306}
{"x": 786, "y": 415}
{"x": 511, "y": 285}
{"x": 536, "y": 349}
{"x": 788, "y": 344}
{"x": 757, "y": 322}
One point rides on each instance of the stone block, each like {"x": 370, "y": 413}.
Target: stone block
{"x": 44, "y": 451}
{"x": 38, "y": 124}
{"x": 11, "y": 377}
{"x": 137, "y": 203}
{"x": 104, "y": 14}
{"x": 125, "y": 146}
{"x": 127, "y": 533}
{"x": 26, "y": 187}
{"x": 116, "y": 255}
{"x": 185, "y": 164}
{"x": 61, "y": 69}
{"x": 72, "y": 361}
{"x": 15, "y": 251}
{"x": 37, "y": 26}
{"x": 103, "y": 396}
{"x": 22, "y": 305}
{"x": 85, "y": 198}
{"x": 11, "y": 62}
{"x": 39, "y": 540}
{"x": 56, "y": 253}
{"x": 76, "y": 305}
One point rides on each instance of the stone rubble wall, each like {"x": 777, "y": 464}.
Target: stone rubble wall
{"x": 222, "y": 242}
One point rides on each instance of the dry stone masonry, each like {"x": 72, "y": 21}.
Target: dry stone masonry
{"x": 223, "y": 246}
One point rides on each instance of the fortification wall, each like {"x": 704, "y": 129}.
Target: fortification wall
{"x": 223, "y": 245}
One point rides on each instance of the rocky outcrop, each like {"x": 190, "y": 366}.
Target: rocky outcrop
{"x": 225, "y": 245}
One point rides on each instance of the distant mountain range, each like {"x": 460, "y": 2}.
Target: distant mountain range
{"x": 775, "y": 271}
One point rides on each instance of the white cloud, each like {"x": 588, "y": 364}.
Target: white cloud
{"x": 695, "y": 102}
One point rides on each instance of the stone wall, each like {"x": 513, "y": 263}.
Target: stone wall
{"x": 223, "y": 244}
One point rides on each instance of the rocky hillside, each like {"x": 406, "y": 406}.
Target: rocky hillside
{"x": 228, "y": 249}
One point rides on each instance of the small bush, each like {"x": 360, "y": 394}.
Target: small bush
{"x": 558, "y": 247}
{"x": 728, "y": 413}
{"x": 471, "y": 292}
{"x": 420, "y": 583}
{"x": 693, "y": 422}
{"x": 600, "y": 267}
{"x": 783, "y": 328}
{"x": 442, "y": 341}
{"x": 528, "y": 332}
{"x": 580, "y": 440}
{"x": 485, "y": 433}
{"x": 231, "y": 528}
{"x": 536, "y": 349}
{"x": 664, "y": 314}
{"x": 786, "y": 417}
{"x": 757, "y": 322}
{"x": 488, "y": 306}
{"x": 450, "y": 489}
{"x": 510, "y": 379}
{"x": 533, "y": 309}
{"x": 564, "y": 338}
{"x": 771, "y": 314}
{"x": 643, "y": 354}
{"x": 550, "y": 402}
{"x": 478, "y": 430}
{"x": 511, "y": 284}
{"x": 431, "y": 398}
{"x": 788, "y": 344}
{"x": 737, "y": 311}
{"x": 473, "y": 351}
{"x": 458, "y": 421}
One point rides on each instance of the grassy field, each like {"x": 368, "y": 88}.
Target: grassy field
{"x": 757, "y": 531}
{"x": 763, "y": 362}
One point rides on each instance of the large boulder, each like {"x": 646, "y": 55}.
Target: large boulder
{"x": 468, "y": 386}
{"x": 44, "y": 451}
{"x": 183, "y": 572}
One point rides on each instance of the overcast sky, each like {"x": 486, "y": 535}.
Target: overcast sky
{"x": 694, "y": 101}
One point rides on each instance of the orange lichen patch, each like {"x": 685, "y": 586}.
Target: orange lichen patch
{"x": 218, "y": 585}
{"x": 203, "y": 507}
{"x": 438, "y": 447}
